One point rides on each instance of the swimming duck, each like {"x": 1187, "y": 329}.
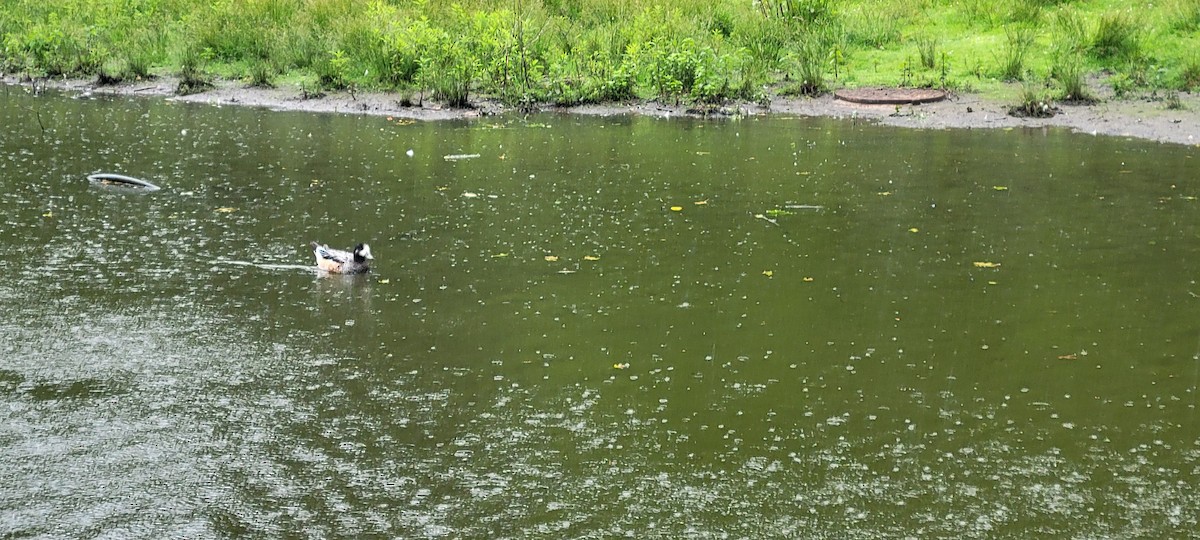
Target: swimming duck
{"x": 336, "y": 261}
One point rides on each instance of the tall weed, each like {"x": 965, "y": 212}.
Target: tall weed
{"x": 1115, "y": 37}
{"x": 872, "y": 25}
{"x": 808, "y": 65}
{"x": 927, "y": 47}
{"x": 192, "y": 76}
{"x": 1069, "y": 71}
{"x": 1033, "y": 103}
{"x": 1071, "y": 32}
{"x": 804, "y": 11}
{"x": 449, "y": 70}
{"x": 1189, "y": 75}
{"x": 1018, "y": 41}
{"x": 1183, "y": 15}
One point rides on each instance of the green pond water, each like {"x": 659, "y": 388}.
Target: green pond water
{"x": 595, "y": 328}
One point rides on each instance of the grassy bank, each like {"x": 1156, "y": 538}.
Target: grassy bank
{"x": 587, "y": 51}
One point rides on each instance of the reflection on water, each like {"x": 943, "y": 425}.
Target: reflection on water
{"x": 596, "y": 328}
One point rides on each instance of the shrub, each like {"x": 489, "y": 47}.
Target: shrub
{"x": 333, "y": 70}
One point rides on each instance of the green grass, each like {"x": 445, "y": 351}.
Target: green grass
{"x": 587, "y": 51}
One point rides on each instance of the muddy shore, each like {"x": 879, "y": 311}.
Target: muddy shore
{"x": 1140, "y": 118}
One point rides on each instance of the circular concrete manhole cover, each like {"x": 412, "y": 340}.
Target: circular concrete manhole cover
{"x": 890, "y": 96}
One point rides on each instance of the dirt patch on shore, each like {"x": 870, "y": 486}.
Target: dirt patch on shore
{"x": 1137, "y": 118}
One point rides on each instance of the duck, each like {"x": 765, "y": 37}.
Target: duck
{"x": 336, "y": 261}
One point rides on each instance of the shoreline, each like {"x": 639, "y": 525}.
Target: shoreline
{"x": 1137, "y": 118}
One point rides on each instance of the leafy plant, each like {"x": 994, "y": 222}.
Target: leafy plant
{"x": 333, "y": 70}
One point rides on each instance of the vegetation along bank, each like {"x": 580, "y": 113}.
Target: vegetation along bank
{"x": 572, "y": 52}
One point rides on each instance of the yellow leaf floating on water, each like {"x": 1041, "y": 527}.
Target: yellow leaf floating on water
{"x": 768, "y": 273}
{"x": 621, "y": 366}
{"x": 551, "y": 258}
{"x": 981, "y": 264}
{"x": 676, "y": 208}
{"x": 591, "y": 258}
{"x": 226, "y": 209}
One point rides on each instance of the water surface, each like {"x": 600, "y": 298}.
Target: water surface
{"x": 595, "y": 328}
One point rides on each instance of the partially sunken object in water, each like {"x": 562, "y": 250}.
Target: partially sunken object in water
{"x": 111, "y": 179}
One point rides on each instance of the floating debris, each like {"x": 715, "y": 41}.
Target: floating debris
{"x": 112, "y": 179}
{"x": 766, "y": 219}
{"x": 456, "y": 157}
